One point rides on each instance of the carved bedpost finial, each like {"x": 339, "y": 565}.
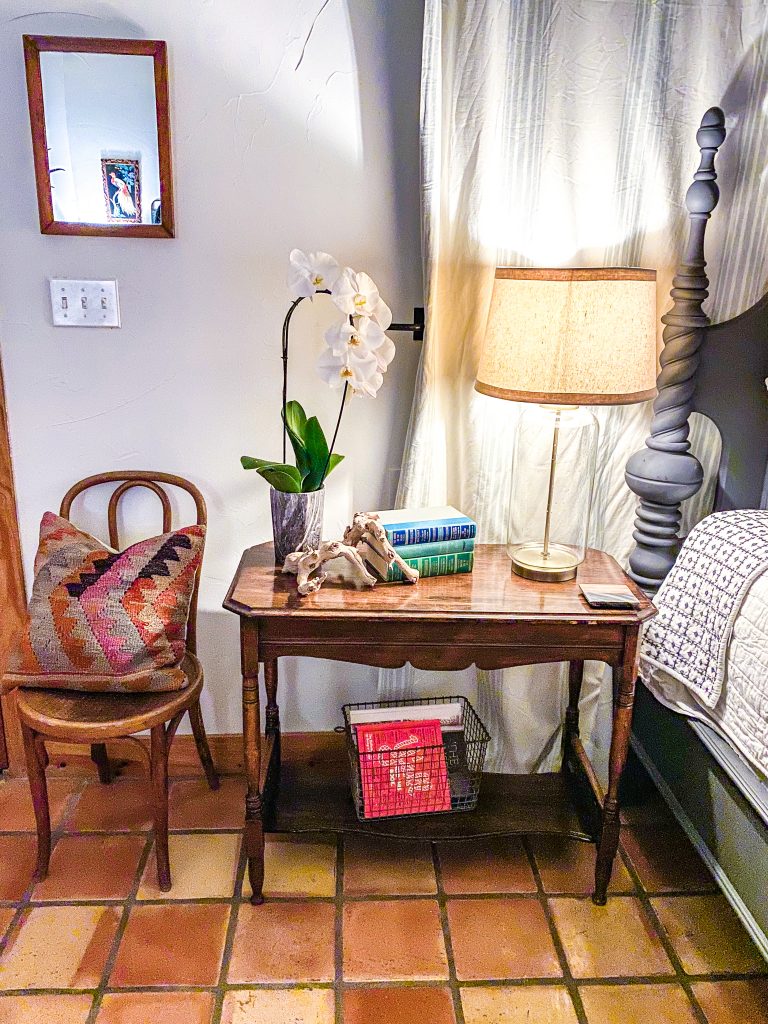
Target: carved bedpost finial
{"x": 665, "y": 473}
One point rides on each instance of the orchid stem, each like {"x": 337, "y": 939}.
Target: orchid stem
{"x": 286, "y": 326}
{"x": 336, "y": 431}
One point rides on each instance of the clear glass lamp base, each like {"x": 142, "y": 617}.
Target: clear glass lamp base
{"x": 558, "y": 565}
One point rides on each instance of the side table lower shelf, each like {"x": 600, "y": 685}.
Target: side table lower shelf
{"x": 314, "y": 796}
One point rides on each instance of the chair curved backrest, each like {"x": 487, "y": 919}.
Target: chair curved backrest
{"x": 128, "y": 479}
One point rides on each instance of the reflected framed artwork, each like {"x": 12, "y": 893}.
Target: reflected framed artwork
{"x": 121, "y": 179}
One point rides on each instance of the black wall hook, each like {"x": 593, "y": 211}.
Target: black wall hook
{"x": 416, "y": 328}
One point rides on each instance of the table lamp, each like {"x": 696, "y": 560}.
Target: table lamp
{"x": 560, "y": 340}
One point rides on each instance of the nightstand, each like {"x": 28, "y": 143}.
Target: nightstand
{"x": 490, "y": 618}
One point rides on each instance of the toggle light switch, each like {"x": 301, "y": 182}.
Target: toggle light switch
{"x": 84, "y": 303}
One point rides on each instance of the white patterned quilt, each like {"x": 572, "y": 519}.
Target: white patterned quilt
{"x": 740, "y": 710}
{"x": 701, "y": 597}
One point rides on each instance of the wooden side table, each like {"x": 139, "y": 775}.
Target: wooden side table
{"x": 491, "y": 618}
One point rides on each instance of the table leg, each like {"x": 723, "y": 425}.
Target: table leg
{"x": 270, "y": 684}
{"x": 271, "y": 792}
{"x": 624, "y": 676}
{"x": 575, "y": 676}
{"x": 254, "y": 824}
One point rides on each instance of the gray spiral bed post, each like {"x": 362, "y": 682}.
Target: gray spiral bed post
{"x": 665, "y": 473}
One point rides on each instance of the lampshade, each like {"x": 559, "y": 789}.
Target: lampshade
{"x": 579, "y": 337}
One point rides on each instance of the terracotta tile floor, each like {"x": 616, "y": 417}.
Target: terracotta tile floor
{"x": 365, "y": 931}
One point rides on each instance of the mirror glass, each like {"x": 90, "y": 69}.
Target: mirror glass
{"x": 101, "y": 131}
{"x": 101, "y": 135}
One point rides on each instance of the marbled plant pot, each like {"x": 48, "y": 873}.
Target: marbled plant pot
{"x": 297, "y": 521}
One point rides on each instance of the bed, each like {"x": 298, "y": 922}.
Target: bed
{"x": 711, "y": 766}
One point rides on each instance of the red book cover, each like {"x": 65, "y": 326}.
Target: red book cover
{"x": 402, "y": 768}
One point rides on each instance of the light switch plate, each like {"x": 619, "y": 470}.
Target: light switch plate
{"x": 84, "y": 303}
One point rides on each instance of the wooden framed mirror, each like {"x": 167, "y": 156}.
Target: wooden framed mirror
{"x": 101, "y": 135}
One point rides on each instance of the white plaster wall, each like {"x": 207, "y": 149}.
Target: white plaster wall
{"x": 294, "y": 124}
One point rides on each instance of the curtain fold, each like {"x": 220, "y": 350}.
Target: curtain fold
{"x": 562, "y": 133}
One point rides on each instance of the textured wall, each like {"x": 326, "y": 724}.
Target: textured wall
{"x": 294, "y": 124}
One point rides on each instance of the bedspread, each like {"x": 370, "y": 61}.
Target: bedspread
{"x": 741, "y": 711}
{"x": 702, "y": 596}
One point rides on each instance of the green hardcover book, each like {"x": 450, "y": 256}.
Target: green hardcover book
{"x": 435, "y": 565}
{"x": 438, "y": 547}
{"x": 378, "y": 563}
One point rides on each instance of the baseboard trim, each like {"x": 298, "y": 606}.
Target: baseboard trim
{"x": 74, "y": 760}
{"x": 756, "y": 933}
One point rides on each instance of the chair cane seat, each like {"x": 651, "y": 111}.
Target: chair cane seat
{"x": 94, "y": 717}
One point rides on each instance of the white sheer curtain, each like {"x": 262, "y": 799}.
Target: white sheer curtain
{"x": 562, "y": 133}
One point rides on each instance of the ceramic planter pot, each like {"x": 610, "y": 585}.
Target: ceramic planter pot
{"x": 297, "y": 521}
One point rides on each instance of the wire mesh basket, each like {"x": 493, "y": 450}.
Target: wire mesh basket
{"x": 394, "y": 778}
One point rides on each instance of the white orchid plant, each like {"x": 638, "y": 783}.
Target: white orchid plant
{"x": 355, "y": 359}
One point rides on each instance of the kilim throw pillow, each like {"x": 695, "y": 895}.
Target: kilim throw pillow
{"x": 105, "y": 620}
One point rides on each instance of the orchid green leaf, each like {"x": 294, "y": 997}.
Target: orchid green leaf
{"x": 296, "y": 425}
{"x": 317, "y": 450}
{"x": 281, "y": 476}
{"x": 333, "y": 462}
{"x": 296, "y": 419}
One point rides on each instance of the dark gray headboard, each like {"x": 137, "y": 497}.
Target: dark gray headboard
{"x": 718, "y": 370}
{"x": 731, "y": 391}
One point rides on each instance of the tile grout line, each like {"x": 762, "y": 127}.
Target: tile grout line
{"x": 229, "y": 938}
{"x": 383, "y": 898}
{"x": 666, "y": 943}
{"x": 128, "y": 905}
{"x": 625, "y": 982}
{"x": 442, "y": 904}
{"x": 338, "y": 933}
{"x": 26, "y": 898}
{"x": 567, "y": 980}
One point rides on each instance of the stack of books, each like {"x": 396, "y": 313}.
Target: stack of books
{"x": 413, "y": 759}
{"x": 436, "y": 541}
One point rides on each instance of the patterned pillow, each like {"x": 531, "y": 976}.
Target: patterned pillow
{"x": 105, "y": 620}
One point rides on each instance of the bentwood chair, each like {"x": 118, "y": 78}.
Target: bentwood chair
{"x": 94, "y": 718}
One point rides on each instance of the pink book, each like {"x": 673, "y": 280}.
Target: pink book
{"x": 402, "y": 768}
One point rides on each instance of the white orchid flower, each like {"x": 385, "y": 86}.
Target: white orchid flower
{"x": 359, "y": 370}
{"x": 377, "y": 341}
{"x": 357, "y": 295}
{"x": 311, "y": 272}
{"x": 368, "y": 388}
{"x": 341, "y": 337}
{"x": 362, "y": 335}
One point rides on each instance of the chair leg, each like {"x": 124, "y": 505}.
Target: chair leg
{"x": 36, "y": 757}
{"x": 159, "y": 767}
{"x": 201, "y": 742}
{"x": 100, "y": 759}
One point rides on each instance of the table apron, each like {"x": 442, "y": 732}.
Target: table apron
{"x": 441, "y": 645}
{"x": 429, "y": 656}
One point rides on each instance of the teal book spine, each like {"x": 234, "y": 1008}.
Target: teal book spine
{"x": 441, "y": 547}
{"x": 400, "y": 534}
{"x": 435, "y": 565}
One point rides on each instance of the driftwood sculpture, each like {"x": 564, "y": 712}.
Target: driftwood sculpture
{"x": 303, "y": 564}
{"x": 366, "y": 527}
{"x": 307, "y": 566}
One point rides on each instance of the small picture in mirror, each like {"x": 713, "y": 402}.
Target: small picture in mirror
{"x": 122, "y": 189}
